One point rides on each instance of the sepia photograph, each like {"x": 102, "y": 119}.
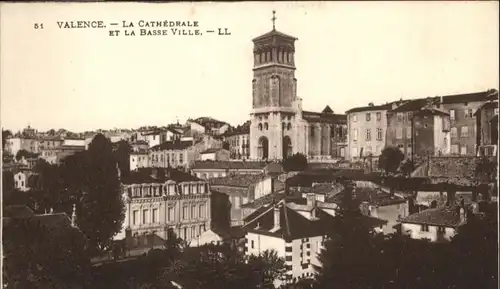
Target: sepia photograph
{"x": 290, "y": 145}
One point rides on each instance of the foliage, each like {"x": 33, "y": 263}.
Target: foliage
{"x": 213, "y": 266}
{"x": 390, "y": 159}
{"x": 5, "y": 134}
{"x": 406, "y": 167}
{"x": 486, "y": 170}
{"x": 22, "y": 153}
{"x": 7, "y": 182}
{"x": 296, "y": 162}
{"x": 122, "y": 157}
{"x": 38, "y": 256}
{"x": 100, "y": 210}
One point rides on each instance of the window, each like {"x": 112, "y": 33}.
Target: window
{"x": 468, "y": 113}
{"x": 266, "y": 126}
{"x": 408, "y": 132}
{"x": 181, "y": 158}
{"x": 135, "y": 217}
{"x": 452, "y": 114}
{"x": 368, "y": 134}
{"x": 185, "y": 212}
{"x": 155, "y": 216}
{"x": 400, "y": 116}
{"x": 368, "y": 117}
{"x": 171, "y": 214}
{"x": 289, "y": 126}
{"x": 193, "y": 212}
{"x": 399, "y": 133}
{"x": 252, "y": 244}
{"x": 379, "y": 116}
{"x": 201, "y": 213}
{"x": 441, "y": 230}
{"x": 379, "y": 134}
{"x": 145, "y": 216}
{"x": 464, "y": 131}
{"x": 193, "y": 232}
{"x": 424, "y": 228}
{"x": 355, "y": 134}
{"x": 260, "y": 126}
{"x": 454, "y": 149}
{"x": 453, "y": 132}
{"x": 463, "y": 150}
{"x": 354, "y": 117}
{"x": 312, "y": 130}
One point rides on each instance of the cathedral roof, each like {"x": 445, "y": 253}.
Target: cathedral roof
{"x": 327, "y": 109}
{"x": 323, "y": 117}
{"x": 273, "y": 33}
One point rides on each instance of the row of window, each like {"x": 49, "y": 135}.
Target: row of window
{"x": 368, "y": 134}
{"x": 159, "y": 190}
{"x": 152, "y": 216}
{"x": 464, "y": 131}
{"x": 282, "y": 56}
{"x": 468, "y": 113}
{"x": 335, "y": 131}
{"x": 368, "y": 116}
{"x": 169, "y": 158}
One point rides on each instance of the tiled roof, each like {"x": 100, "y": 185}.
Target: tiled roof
{"x": 273, "y": 33}
{"x": 161, "y": 175}
{"x": 238, "y": 180}
{"x": 265, "y": 200}
{"x": 228, "y": 165}
{"x": 230, "y": 191}
{"x": 487, "y": 105}
{"x": 443, "y": 216}
{"x": 387, "y": 106}
{"x": 373, "y": 196}
{"x": 205, "y": 121}
{"x": 470, "y": 97}
{"x": 17, "y": 211}
{"x": 416, "y": 104}
{"x": 211, "y": 150}
{"x": 292, "y": 224}
{"x": 172, "y": 145}
{"x": 324, "y": 117}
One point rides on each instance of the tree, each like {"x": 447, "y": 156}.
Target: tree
{"x": 39, "y": 256}
{"x": 122, "y": 157}
{"x": 22, "y": 153}
{"x": 406, "y": 167}
{"x": 351, "y": 254}
{"x": 296, "y": 162}
{"x": 5, "y": 134}
{"x": 92, "y": 180}
{"x": 390, "y": 159}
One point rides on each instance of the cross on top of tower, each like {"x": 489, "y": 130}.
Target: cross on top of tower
{"x": 274, "y": 19}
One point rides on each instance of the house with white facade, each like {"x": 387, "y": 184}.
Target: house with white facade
{"x": 296, "y": 230}
{"x": 437, "y": 224}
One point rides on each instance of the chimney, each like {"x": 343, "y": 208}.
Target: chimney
{"x": 73, "y": 216}
{"x": 277, "y": 224}
{"x": 463, "y": 215}
{"x": 311, "y": 200}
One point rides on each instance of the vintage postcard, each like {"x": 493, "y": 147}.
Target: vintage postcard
{"x": 249, "y": 145}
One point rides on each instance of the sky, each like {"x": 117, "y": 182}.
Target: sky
{"x": 347, "y": 55}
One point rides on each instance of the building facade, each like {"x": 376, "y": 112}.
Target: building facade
{"x": 160, "y": 201}
{"x": 216, "y": 169}
{"x": 487, "y": 128}
{"x": 419, "y": 128}
{"x": 238, "y": 140}
{"x": 279, "y": 127}
{"x": 462, "y": 108}
{"x": 367, "y": 127}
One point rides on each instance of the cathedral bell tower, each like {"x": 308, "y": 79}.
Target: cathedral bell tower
{"x": 274, "y": 91}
